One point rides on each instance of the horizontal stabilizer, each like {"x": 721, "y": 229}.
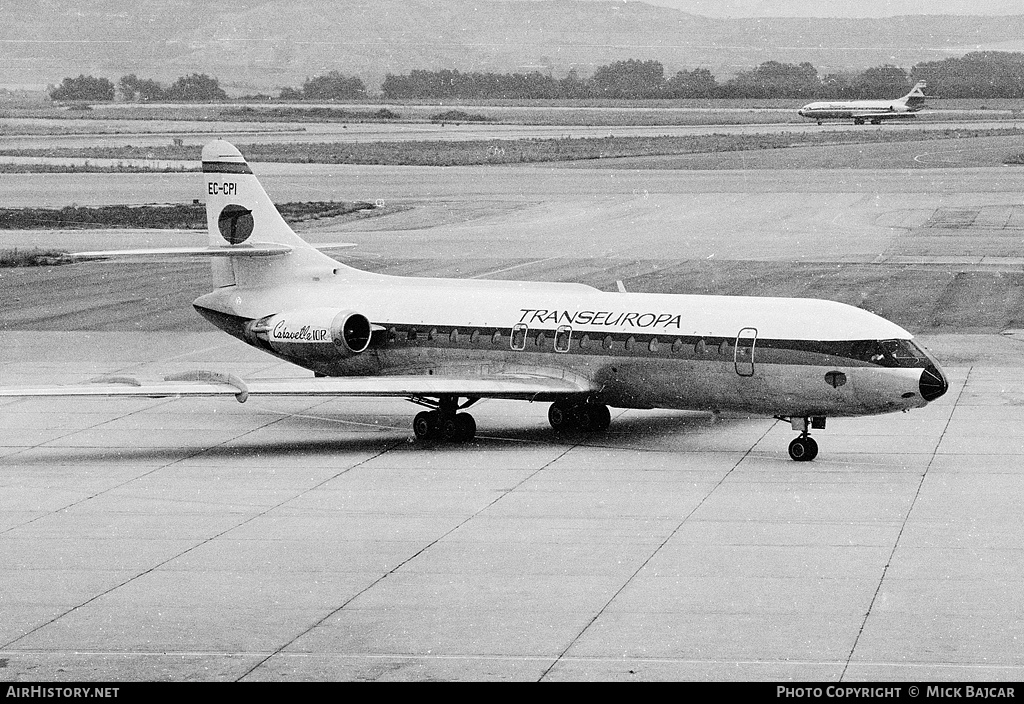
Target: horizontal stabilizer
{"x": 333, "y": 245}
{"x": 267, "y": 249}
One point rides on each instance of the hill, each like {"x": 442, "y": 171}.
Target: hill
{"x": 264, "y": 44}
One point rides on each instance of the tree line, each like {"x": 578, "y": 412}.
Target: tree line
{"x": 975, "y": 75}
{"x": 987, "y": 74}
{"x": 197, "y": 87}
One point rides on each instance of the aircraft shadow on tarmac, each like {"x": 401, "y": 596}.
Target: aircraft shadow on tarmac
{"x": 625, "y": 433}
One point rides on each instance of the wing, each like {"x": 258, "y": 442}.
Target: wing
{"x": 265, "y": 249}
{"x": 531, "y": 387}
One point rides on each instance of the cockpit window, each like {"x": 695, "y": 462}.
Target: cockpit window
{"x": 889, "y": 353}
{"x": 905, "y": 352}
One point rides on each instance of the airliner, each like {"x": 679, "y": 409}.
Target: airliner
{"x": 445, "y": 344}
{"x": 871, "y": 110}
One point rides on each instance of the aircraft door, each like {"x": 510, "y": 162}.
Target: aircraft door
{"x": 743, "y": 354}
{"x": 517, "y": 340}
{"x": 562, "y": 337}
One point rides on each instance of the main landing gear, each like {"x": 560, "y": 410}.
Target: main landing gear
{"x": 444, "y": 423}
{"x": 804, "y": 448}
{"x": 574, "y": 416}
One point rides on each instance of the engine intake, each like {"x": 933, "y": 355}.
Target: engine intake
{"x": 322, "y": 333}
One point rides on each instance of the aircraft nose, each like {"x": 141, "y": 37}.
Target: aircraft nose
{"x": 933, "y": 383}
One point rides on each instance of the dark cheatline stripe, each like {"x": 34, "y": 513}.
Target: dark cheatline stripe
{"x": 225, "y": 167}
{"x": 820, "y": 353}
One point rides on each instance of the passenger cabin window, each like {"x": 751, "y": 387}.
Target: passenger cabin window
{"x": 496, "y": 337}
{"x": 562, "y": 338}
{"x": 518, "y": 338}
{"x": 584, "y": 342}
{"x": 608, "y": 342}
{"x": 412, "y": 334}
{"x": 475, "y": 337}
{"x": 701, "y": 347}
{"x": 454, "y": 336}
{"x": 723, "y": 348}
{"x": 652, "y": 346}
{"x": 541, "y": 338}
{"x": 677, "y": 346}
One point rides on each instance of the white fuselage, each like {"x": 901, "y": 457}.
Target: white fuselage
{"x": 858, "y": 110}
{"x": 770, "y": 356}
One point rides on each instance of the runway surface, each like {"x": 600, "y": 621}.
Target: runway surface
{"x": 291, "y": 539}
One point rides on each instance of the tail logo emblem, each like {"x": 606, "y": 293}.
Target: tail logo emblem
{"x": 235, "y": 223}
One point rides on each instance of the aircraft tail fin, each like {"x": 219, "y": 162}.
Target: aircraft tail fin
{"x": 916, "y": 97}
{"x": 240, "y": 215}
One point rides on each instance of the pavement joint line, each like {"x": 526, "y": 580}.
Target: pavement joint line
{"x": 202, "y": 542}
{"x": 46, "y": 444}
{"x": 404, "y": 562}
{"x": 514, "y": 266}
{"x": 650, "y": 557}
{"x": 212, "y": 348}
{"x": 903, "y": 527}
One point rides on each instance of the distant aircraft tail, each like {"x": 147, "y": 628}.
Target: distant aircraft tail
{"x": 242, "y": 219}
{"x": 916, "y": 97}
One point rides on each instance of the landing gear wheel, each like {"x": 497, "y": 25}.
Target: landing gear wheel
{"x": 424, "y": 425}
{"x": 560, "y": 416}
{"x": 803, "y": 449}
{"x": 451, "y": 429}
{"x": 590, "y": 417}
{"x": 600, "y": 418}
{"x": 444, "y": 422}
{"x": 580, "y": 417}
{"x": 467, "y": 427}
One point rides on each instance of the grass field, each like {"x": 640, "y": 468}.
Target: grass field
{"x": 186, "y": 216}
{"x": 19, "y": 257}
{"x": 88, "y": 169}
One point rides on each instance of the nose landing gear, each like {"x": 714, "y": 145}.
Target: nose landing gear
{"x": 804, "y": 448}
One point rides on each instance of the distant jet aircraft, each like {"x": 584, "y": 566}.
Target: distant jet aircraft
{"x": 444, "y": 344}
{"x": 872, "y": 110}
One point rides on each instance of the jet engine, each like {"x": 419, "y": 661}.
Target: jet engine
{"x": 312, "y": 333}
